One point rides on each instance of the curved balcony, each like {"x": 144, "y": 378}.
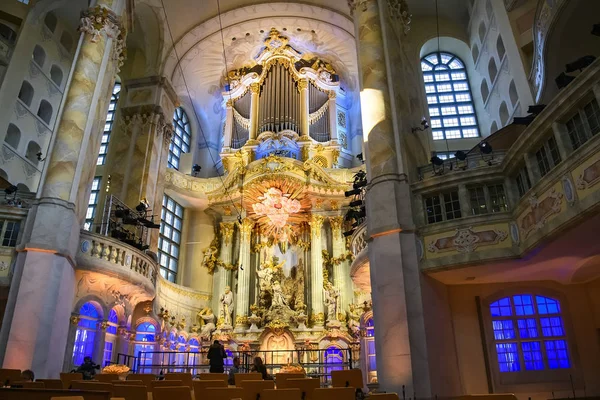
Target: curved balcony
{"x": 359, "y": 270}
{"x": 111, "y": 257}
{"x": 550, "y": 222}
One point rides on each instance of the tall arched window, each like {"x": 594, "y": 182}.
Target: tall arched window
{"x": 111, "y": 336}
{"x": 529, "y": 333}
{"x": 449, "y": 97}
{"x": 86, "y": 332}
{"x": 181, "y": 138}
{"x": 370, "y": 350}
{"x": 171, "y": 223}
{"x": 334, "y": 359}
{"x": 108, "y": 125}
{"x": 145, "y": 340}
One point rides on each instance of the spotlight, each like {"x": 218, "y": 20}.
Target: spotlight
{"x": 359, "y": 184}
{"x": 356, "y": 203}
{"x": 424, "y": 125}
{"x": 485, "y": 148}
{"x": 435, "y": 160}
{"x": 579, "y": 64}
{"x": 11, "y": 189}
{"x": 596, "y": 30}
{"x": 196, "y": 170}
{"x": 563, "y": 80}
{"x": 361, "y": 214}
{"x": 353, "y": 192}
{"x": 536, "y": 109}
{"x": 141, "y": 207}
{"x": 349, "y": 233}
{"x": 360, "y": 157}
{"x": 523, "y": 120}
{"x": 39, "y": 156}
{"x": 460, "y": 155}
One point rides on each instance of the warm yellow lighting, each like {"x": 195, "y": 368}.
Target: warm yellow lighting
{"x": 372, "y": 110}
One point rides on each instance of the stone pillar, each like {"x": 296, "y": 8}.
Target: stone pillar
{"x": 561, "y": 137}
{"x": 304, "y": 109}
{"x": 100, "y": 342}
{"x": 228, "y": 131}
{"x": 243, "y": 288}
{"x": 253, "y": 131}
{"x": 68, "y": 361}
{"x": 341, "y": 274}
{"x": 465, "y": 200}
{"x": 316, "y": 273}
{"x": 333, "y": 117}
{"x": 395, "y": 276}
{"x": 532, "y": 168}
{"x": 222, "y": 277}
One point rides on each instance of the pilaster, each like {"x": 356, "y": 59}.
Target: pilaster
{"x": 243, "y": 287}
{"x": 316, "y": 275}
{"x": 304, "y": 109}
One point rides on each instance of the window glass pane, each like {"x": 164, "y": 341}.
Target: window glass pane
{"x": 532, "y": 355}
{"x": 523, "y": 305}
{"x": 170, "y": 238}
{"x": 452, "y": 205}
{"x": 501, "y": 308}
{"x": 547, "y": 305}
{"x": 552, "y": 326}
{"x": 181, "y": 138}
{"x": 557, "y": 353}
{"x": 527, "y": 328}
{"x": 110, "y": 117}
{"x": 503, "y": 329}
{"x": 508, "y": 357}
{"x": 478, "y": 205}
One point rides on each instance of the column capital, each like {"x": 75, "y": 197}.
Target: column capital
{"x": 227, "y": 231}
{"x": 336, "y": 224}
{"x": 254, "y": 87}
{"x": 303, "y": 84}
{"x": 332, "y": 95}
{"x": 246, "y": 226}
{"x": 316, "y": 221}
{"x": 97, "y": 20}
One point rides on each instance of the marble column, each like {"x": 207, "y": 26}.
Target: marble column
{"x": 395, "y": 276}
{"x": 304, "y": 108}
{"x": 222, "y": 276}
{"x": 243, "y": 288}
{"x": 316, "y": 273}
{"x": 228, "y": 130}
{"x": 253, "y": 130}
{"x": 333, "y": 117}
{"x": 341, "y": 274}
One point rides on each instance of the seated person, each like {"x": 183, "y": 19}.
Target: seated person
{"x": 27, "y": 376}
{"x": 261, "y": 368}
{"x": 234, "y": 370}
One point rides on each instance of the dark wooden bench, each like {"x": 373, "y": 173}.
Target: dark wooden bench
{"x": 47, "y": 394}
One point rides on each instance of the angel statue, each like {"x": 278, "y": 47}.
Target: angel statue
{"x": 227, "y": 307}
{"x": 332, "y": 297}
{"x": 265, "y": 276}
{"x": 208, "y": 318}
{"x": 278, "y": 296}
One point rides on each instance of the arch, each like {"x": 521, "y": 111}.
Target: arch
{"x": 485, "y": 90}
{"x": 481, "y": 31}
{"x": 4, "y": 175}
{"x": 56, "y": 74}
{"x": 489, "y": 10}
{"x": 66, "y": 41}
{"x": 503, "y": 113}
{"x": 26, "y": 93}
{"x": 39, "y": 55}
{"x": 494, "y": 127}
{"x": 90, "y": 313}
{"x": 13, "y": 136}
{"x": 492, "y": 70}
{"x": 45, "y": 111}
{"x": 22, "y": 188}
{"x": 449, "y": 97}
{"x": 50, "y": 21}
{"x": 8, "y": 34}
{"x": 32, "y": 151}
{"x": 500, "y": 48}
{"x": 512, "y": 92}
{"x": 475, "y": 52}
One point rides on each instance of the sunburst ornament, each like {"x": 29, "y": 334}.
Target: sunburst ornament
{"x": 276, "y": 206}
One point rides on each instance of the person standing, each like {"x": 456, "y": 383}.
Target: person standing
{"x": 216, "y": 355}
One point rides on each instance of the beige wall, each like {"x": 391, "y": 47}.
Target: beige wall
{"x": 581, "y": 311}
{"x": 198, "y": 232}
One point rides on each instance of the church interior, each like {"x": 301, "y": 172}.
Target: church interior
{"x": 405, "y": 188}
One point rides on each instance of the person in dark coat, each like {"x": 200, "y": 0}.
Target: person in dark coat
{"x": 261, "y": 368}
{"x": 216, "y": 355}
{"x": 88, "y": 368}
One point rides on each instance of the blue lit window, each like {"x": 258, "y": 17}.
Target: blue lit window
{"x": 180, "y": 143}
{"x": 333, "y": 357}
{"x": 145, "y": 338}
{"x": 371, "y": 352}
{"x": 518, "y": 322}
{"x": 112, "y": 322}
{"x": 86, "y": 333}
{"x": 446, "y": 83}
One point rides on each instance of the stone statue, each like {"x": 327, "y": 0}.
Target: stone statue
{"x": 207, "y": 316}
{"x": 278, "y": 297}
{"x": 265, "y": 276}
{"x": 354, "y": 320}
{"x": 227, "y": 307}
{"x": 332, "y": 298}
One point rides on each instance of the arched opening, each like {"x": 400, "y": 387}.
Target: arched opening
{"x": 13, "y": 136}
{"x": 23, "y": 188}
{"x": 370, "y": 352}
{"x": 56, "y": 75}
{"x": 485, "y": 90}
{"x": 89, "y": 316}
{"x": 111, "y": 336}
{"x": 39, "y": 55}
{"x": 32, "y": 151}
{"x": 26, "y": 93}
{"x": 500, "y": 48}
{"x": 503, "y": 114}
{"x": 145, "y": 340}
{"x": 488, "y": 10}
{"x": 66, "y": 41}
{"x": 492, "y": 70}
{"x": 45, "y": 112}
{"x": 50, "y": 21}
{"x": 475, "y": 53}
{"x": 512, "y": 92}
{"x": 481, "y": 31}
{"x": 4, "y": 175}
{"x": 8, "y": 34}
{"x": 334, "y": 359}
{"x": 494, "y": 127}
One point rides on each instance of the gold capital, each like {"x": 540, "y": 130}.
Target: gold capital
{"x": 302, "y": 84}
{"x": 227, "y": 231}
{"x": 254, "y": 88}
{"x": 316, "y": 222}
{"x": 336, "y": 225}
{"x": 332, "y": 95}
{"x": 246, "y": 226}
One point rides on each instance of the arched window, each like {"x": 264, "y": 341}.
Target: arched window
{"x": 13, "y": 136}
{"x": 181, "y": 138}
{"x": 108, "y": 125}
{"x": 45, "y": 112}
{"x": 512, "y": 92}
{"x": 86, "y": 332}
{"x": 56, "y": 75}
{"x": 503, "y": 114}
{"x": 334, "y": 359}
{"x": 32, "y": 151}
{"x": 370, "y": 350}
{"x": 39, "y": 55}
{"x": 475, "y": 52}
{"x": 26, "y": 93}
{"x": 171, "y": 222}
{"x": 500, "y": 48}
{"x": 492, "y": 70}
{"x": 145, "y": 338}
{"x": 50, "y": 21}
{"x": 66, "y": 41}
{"x": 485, "y": 90}
{"x": 529, "y": 333}
{"x": 111, "y": 336}
{"x": 481, "y": 31}
{"x": 449, "y": 97}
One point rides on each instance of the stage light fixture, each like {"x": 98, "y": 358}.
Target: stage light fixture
{"x": 563, "y": 80}
{"x": 579, "y": 64}
{"x": 11, "y": 189}
{"x": 523, "y": 120}
{"x": 435, "y": 160}
{"x": 360, "y": 157}
{"x": 353, "y": 192}
{"x": 424, "y": 126}
{"x": 460, "y": 155}
{"x": 485, "y": 148}
{"x": 356, "y": 203}
{"x": 536, "y": 109}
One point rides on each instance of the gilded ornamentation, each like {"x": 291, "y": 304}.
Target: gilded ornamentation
{"x": 318, "y": 318}
{"x": 277, "y": 326}
{"x": 227, "y": 231}
{"x": 103, "y": 326}
{"x": 97, "y": 20}
{"x": 246, "y": 226}
{"x": 75, "y": 319}
{"x": 241, "y": 320}
{"x": 467, "y": 241}
{"x": 303, "y": 84}
{"x": 335, "y": 205}
{"x": 255, "y": 88}
{"x": 316, "y": 223}
{"x": 399, "y": 10}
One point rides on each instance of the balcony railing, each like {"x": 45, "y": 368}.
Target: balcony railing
{"x": 358, "y": 241}
{"x": 474, "y": 161}
{"x": 107, "y": 255}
